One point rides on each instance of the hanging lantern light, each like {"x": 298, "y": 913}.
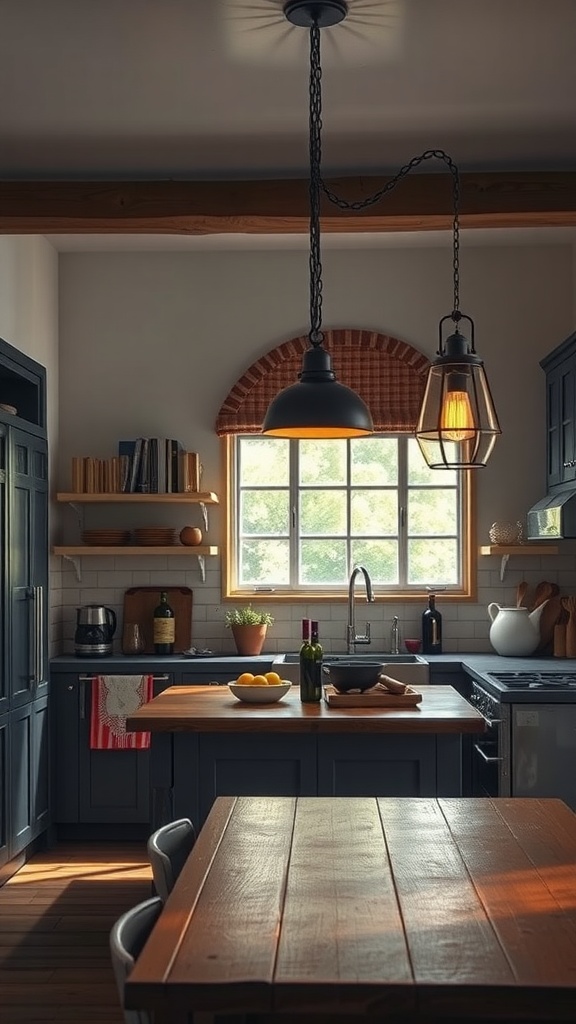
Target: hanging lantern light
{"x": 457, "y": 425}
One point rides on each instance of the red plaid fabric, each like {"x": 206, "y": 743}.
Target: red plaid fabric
{"x": 388, "y": 374}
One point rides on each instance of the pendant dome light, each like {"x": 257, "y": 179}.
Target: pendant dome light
{"x": 317, "y": 405}
{"x": 457, "y": 426}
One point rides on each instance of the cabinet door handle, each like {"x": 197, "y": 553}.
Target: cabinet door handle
{"x": 83, "y": 681}
{"x": 488, "y": 760}
{"x": 39, "y": 633}
{"x": 157, "y": 679}
{"x": 32, "y": 636}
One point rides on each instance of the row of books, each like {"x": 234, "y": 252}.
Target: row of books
{"x": 147, "y": 465}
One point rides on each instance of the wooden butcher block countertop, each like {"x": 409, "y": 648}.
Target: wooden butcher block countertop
{"x": 214, "y": 709}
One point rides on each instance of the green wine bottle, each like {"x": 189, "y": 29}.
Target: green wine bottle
{"x": 164, "y": 626}
{"x": 310, "y": 664}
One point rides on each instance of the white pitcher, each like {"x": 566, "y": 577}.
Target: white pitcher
{"x": 514, "y": 631}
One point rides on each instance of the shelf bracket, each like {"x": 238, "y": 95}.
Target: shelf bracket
{"x": 204, "y": 511}
{"x": 76, "y": 563}
{"x": 202, "y": 564}
{"x": 503, "y": 565}
{"x": 79, "y": 513}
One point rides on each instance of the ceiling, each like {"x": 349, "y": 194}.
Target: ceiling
{"x": 218, "y": 89}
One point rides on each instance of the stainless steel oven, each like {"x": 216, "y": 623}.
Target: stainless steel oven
{"x": 529, "y": 747}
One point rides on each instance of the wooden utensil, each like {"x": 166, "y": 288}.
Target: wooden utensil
{"x": 548, "y": 621}
{"x": 543, "y": 592}
{"x": 569, "y": 604}
{"x": 560, "y": 640}
{"x": 521, "y": 591}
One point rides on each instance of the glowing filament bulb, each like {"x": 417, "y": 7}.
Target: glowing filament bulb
{"x": 456, "y": 418}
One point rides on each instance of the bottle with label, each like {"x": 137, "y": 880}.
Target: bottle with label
{"x": 431, "y": 628}
{"x": 310, "y": 664}
{"x": 164, "y": 626}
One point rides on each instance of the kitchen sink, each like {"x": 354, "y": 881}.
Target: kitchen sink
{"x": 381, "y": 656}
{"x": 407, "y": 668}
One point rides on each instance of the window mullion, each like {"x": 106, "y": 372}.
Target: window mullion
{"x": 402, "y": 516}
{"x": 294, "y": 503}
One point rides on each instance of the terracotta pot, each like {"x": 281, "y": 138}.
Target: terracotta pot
{"x": 249, "y": 639}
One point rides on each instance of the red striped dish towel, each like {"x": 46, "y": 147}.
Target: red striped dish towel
{"x": 114, "y": 698}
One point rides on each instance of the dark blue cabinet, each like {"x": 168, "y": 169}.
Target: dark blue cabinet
{"x": 4, "y": 788}
{"x": 24, "y": 733}
{"x": 29, "y": 774}
{"x": 377, "y": 765}
{"x": 207, "y": 765}
{"x": 560, "y": 369}
{"x": 28, "y": 575}
{"x": 110, "y": 787}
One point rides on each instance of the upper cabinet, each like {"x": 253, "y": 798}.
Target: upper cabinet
{"x": 560, "y": 369}
{"x": 22, "y": 387}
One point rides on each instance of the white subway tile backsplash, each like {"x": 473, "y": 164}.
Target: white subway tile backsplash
{"x": 465, "y": 625}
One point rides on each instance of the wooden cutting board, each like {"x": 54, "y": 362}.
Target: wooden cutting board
{"x": 371, "y": 700}
{"x": 139, "y": 605}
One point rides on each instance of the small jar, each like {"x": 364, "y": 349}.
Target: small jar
{"x": 132, "y": 639}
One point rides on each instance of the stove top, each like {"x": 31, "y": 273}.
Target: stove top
{"x": 511, "y": 685}
{"x": 536, "y": 679}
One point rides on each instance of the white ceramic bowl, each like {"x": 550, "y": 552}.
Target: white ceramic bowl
{"x": 260, "y": 694}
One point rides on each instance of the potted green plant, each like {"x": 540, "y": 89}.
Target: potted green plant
{"x": 249, "y": 627}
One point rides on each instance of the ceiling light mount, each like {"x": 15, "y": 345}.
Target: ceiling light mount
{"x": 323, "y": 13}
{"x": 317, "y": 405}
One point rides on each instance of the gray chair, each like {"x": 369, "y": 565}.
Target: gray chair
{"x": 127, "y": 939}
{"x": 168, "y": 849}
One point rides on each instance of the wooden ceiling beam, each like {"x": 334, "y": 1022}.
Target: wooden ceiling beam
{"x": 422, "y": 202}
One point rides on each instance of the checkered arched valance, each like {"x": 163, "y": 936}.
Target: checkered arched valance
{"x": 388, "y": 374}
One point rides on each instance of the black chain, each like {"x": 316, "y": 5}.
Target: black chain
{"x": 315, "y": 337}
{"x": 361, "y": 204}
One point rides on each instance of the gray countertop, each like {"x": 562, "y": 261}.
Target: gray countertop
{"x": 473, "y": 663}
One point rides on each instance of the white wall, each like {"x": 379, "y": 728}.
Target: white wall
{"x": 29, "y": 322}
{"x": 150, "y": 344}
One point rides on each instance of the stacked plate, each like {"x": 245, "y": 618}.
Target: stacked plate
{"x": 155, "y": 536}
{"x": 106, "y": 538}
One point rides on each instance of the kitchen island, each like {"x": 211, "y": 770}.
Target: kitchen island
{"x": 206, "y": 743}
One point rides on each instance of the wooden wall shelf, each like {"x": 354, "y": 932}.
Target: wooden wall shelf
{"x": 519, "y": 549}
{"x": 187, "y": 498}
{"x": 78, "y": 550}
{"x": 505, "y": 550}
{"x": 74, "y": 552}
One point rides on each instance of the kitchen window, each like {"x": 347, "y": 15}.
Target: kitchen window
{"x": 301, "y": 513}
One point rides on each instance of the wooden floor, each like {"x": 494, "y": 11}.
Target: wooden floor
{"x": 55, "y": 918}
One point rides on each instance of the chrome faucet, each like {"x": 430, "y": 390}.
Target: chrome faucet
{"x": 354, "y": 638}
{"x": 395, "y": 636}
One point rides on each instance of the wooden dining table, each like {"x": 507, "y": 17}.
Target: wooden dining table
{"x": 370, "y": 908}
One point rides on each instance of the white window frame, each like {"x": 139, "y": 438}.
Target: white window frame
{"x": 466, "y": 590}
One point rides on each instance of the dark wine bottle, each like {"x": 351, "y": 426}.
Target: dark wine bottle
{"x": 164, "y": 626}
{"x": 310, "y": 664}
{"x": 431, "y": 628}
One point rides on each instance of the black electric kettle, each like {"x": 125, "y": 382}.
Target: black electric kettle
{"x": 95, "y": 628}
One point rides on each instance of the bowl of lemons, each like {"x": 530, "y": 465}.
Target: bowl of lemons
{"x": 259, "y": 689}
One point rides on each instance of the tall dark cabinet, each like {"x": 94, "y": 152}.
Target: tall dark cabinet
{"x": 24, "y": 733}
{"x": 560, "y": 369}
